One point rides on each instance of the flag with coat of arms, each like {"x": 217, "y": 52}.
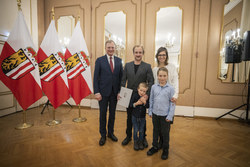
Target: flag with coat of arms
{"x": 19, "y": 70}
{"x": 52, "y": 68}
{"x": 78, "y": 66}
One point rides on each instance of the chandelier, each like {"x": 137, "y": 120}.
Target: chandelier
{"x": 120, "y": 46}
{"x": 233, "y": 48}
{"x": 170, "y": 41}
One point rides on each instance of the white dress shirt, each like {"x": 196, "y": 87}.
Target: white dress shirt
{"x": 113, "y": 60}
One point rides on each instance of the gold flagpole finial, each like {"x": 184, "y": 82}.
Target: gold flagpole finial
{"x": 19, "y": 5}
{"x": 53, "y": 13}
{"x": 78, "y": 16}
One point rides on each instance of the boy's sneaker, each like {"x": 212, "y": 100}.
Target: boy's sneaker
{"x": 136, "y": 146}
{"x": 151, "y": 151}
{"x": 164, "y": 154}
{"x": 141, "y": 147}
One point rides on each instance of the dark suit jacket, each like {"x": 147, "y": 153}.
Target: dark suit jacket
{"x": 143, "y": 74}
{"x": 104, "y": 79}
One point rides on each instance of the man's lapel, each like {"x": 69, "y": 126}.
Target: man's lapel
{"x": 107, "y": 63}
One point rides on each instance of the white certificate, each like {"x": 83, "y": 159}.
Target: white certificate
{"x": 125, "y": 94}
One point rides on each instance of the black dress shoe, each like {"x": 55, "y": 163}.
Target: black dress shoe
{"x": 112, "y": 137}
{"x": 102, "y": 141}
{"x": 151, "y": 151}
{"x": 126, "y": 141}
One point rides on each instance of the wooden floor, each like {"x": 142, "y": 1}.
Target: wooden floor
{"x": 193, "y": 142}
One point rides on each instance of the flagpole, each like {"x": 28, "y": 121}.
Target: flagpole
{"x": 78, "y": 17}
{"x": 24, "y": 125}
{"x": 80, "y": 118}
{"x": 54, "y": 121}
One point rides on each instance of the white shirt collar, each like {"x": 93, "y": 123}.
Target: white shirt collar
{"x": 109, "y": 56}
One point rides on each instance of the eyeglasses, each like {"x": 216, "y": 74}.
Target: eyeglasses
{"x": 162, "y": 55}
{"x": 138, "y": 52}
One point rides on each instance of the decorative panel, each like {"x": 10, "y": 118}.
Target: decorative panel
{"x": 100, "y": 10}
{"x": 187, "y": 61}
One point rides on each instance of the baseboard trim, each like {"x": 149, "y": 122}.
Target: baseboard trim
{"x": 187, "y": 111}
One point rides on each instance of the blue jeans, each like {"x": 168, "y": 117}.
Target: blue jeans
{"x": 138, "y": 124}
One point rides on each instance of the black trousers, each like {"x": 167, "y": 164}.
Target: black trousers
{"x": 161, "y": 126}
{"x": 130, "y": 124}
{"x": 161, "y": 140}
{"x": 107, "y": 101}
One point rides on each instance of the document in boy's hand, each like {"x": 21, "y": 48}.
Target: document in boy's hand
{"x": 125, "y": 96}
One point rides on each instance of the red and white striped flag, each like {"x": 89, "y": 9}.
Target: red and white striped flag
{"x": 19, "y": 70}
{"x": 52, "y": 68}
{"x": 78, "y": 66}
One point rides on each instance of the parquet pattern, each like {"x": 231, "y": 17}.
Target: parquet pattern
{"x": 194, "y": 142}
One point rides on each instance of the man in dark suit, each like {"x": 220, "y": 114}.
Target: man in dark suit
{"x": 134, "y": 73}
{"x": 107, "y": 84}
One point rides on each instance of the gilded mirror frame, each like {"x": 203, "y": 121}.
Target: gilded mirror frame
{"x": 65, "y": 41}
{"x": 177, "y": 61}
{"x": 230, "y": 22}
{"x": 120, "y": 53}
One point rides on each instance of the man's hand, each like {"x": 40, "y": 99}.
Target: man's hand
{"x": 98, "y": 96}
{"x": 118, "y": 96}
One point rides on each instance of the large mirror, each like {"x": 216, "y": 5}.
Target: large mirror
{"x": 169, "y": 33}
{"x": 233, "y": 28}
{"x": 115, "y": 29}
{"x": 65, "y": 28}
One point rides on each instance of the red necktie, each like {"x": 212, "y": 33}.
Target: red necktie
{"x": 111, "y": 64}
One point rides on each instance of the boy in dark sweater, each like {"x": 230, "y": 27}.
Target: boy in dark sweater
{"x": 139, "y": 104}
